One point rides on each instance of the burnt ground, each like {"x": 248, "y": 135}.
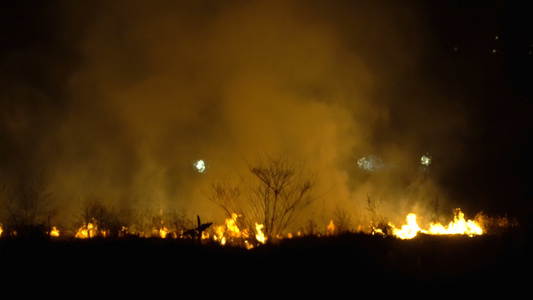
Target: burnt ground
{"x": 426, "y": 265}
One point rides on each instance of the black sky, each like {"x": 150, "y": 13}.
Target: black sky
{"x": 452, "y": 78}
{"x": 492, "y": 67}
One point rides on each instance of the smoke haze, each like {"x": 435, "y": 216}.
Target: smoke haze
{"x": 118, "y": 99}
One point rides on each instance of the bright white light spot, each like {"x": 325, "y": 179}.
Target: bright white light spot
{"x": 426, "y": 159}
{"x": 370, "y": 163}
{"x": 199, "y": 165}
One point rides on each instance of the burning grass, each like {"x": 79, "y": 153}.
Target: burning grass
{"x": 459, "y": 225}
{"x": 233, "y": 233}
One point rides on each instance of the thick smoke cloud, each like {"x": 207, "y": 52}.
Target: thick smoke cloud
{"x": 118, "y": 99}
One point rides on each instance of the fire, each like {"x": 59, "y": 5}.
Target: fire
{"x": 408, "y": 231}
{"x": 84, "y": 231}
{"x": 260, "y": 236}
{"x": 163, "y": 232}
{"x": 219, "y": 235}
{"x": 231, "y": 226}
{"x": 458, "y": 226}
{"x": 235, "y": 235}
{"x": 54, "y": 232}
{"x": 88, "y": 231}
{"x": 230, "y": 230}
{"x": 331, "y": 228}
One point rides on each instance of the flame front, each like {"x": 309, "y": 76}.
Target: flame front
{"x": 408, "y": 231}
{"x": 232, "y": 233}
{"x": 458, "y": 226}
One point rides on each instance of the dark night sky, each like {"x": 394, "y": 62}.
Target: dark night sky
{"x": 493, "y": 68}
{"x": 119, "y": 99}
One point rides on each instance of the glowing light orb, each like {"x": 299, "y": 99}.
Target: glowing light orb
{"x": 370, "y": 163}
{"x": 199, "y": 165}
{"x": 426, "y": 159}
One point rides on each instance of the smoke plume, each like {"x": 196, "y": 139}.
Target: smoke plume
{"x": 118, "y": 99}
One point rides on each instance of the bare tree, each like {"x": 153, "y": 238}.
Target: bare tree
{"x": 342, "y": 220}
{"x": 90, "y": 212}
{"x": 278, "y": 193}
{"x": 378, "y": 222}
{"x": 227, "y": 197}
{"x": 93, "y": 213}
{"x": 178, "y": 221}
{"x": 141, "y": 220}
{"x": 29, "y": 206}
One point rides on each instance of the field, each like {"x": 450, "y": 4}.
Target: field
{"x": 425, "y": 264}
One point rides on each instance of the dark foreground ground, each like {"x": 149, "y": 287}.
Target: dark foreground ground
{"x": 426, "y": 266}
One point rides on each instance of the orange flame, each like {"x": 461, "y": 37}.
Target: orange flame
{"x": 231, "y": 226}
{"x": 260, "y": 236}
{"x": 54, "y": 232}
{"x": 163, "y": 232}
{"x": 229, "y": 230}
{"x": 408, "y": 231}
{"x": 232, "y": 233}
{"x": 458, "y": 226}
{"x": 331, "y": 228}
{"x": 88, "y": 231}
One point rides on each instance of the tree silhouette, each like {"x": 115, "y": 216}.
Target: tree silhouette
{"x": 278, "y": 192}
{"x": 29, "y": 207}
{"x": 378, "y": 222}
{"x": 97, "y": 219}
{"x": 342, "y": 220}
